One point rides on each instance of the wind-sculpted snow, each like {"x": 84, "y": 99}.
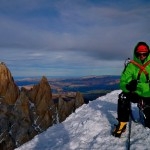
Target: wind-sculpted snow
{"x": 90, "y": 128}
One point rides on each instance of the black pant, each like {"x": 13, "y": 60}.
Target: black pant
{"x": 124, "y": 106}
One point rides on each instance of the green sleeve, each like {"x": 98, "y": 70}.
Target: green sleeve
{"x": 126, "y": 77}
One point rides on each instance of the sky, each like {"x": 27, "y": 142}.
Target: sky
{"x": 71, "y": 37}
{"x": 89, "y": 128}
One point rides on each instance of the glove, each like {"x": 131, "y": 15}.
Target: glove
{"x": 132, "y": 85}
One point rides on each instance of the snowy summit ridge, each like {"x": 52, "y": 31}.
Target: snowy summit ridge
{"x": 90, "y": 128}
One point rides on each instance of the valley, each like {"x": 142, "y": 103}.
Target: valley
{"x": 91, "y": 87}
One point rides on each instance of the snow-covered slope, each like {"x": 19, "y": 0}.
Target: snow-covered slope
{"x": 90, "y": 128}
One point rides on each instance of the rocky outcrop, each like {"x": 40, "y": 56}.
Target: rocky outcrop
{"x": 79, "y": 101}
{"x": 67, "y": 103}
{"x": 41, "y": 97}
{"x": 34, "y": 111}
{"x": 25, "y": 113}
{"x": 8, "y": 88}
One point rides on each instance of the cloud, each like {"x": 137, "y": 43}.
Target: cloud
{"x": 67, "y": 33}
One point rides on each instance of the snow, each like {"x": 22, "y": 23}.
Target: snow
{"x": 89, "y": 128}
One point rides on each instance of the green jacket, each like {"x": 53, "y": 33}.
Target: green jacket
{"x": 131, "y": 72}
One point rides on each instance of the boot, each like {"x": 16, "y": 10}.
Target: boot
{"x": 119, "y": 129}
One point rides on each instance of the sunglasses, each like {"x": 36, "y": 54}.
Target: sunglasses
{"x": 142, "y": 54}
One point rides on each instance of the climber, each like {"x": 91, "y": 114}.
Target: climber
{"x": 135, "y": 86}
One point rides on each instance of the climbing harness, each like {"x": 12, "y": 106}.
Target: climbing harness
{"x": 141, "y": 67}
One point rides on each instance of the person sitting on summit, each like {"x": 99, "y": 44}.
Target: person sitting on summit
{"x": 135, "y": 86}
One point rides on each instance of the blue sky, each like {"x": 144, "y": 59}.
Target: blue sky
{"x": 71, "y": 37}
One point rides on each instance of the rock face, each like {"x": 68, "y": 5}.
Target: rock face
{"x": 27, "y": 112}
{"x": 68, "y": 103}
{"x": 8, "y": 88}
{"x": 44, "y": 109}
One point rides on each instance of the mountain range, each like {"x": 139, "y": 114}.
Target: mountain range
{"x": 90, "y": 86}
